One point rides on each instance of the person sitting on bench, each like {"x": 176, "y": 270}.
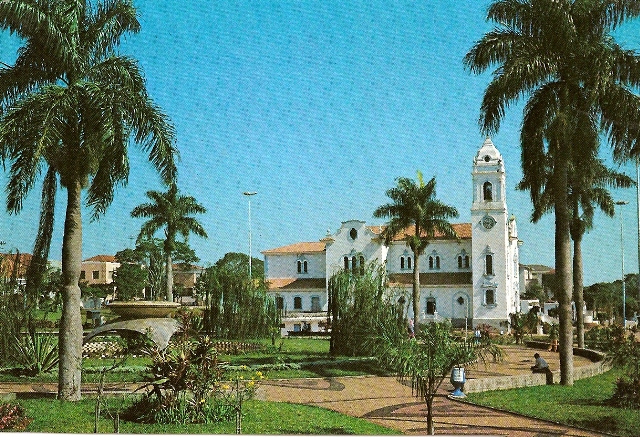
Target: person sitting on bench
{"x": 541, "y": 366}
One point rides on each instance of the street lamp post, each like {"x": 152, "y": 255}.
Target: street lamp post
{"x": 624, "y": 292}
{"x": 249, "y": 194}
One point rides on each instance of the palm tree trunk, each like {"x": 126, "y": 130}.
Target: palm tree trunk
{"x": 416, "y": 292}
{"x": 563, "y": 265}
{"x": 578, "y": 288}
{"x": 70, "y": 335}
{"x": 169, "y": 273}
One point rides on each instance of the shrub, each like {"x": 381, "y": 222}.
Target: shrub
{"x": 12, "y": 417}
{"x": 627, "y": 393}
{"x": 36, "y": 352}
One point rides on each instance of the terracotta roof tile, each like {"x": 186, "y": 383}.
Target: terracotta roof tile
{"x": 444, "y": 278}
{"x": 102, "y": 259}
{"x": 296, "y": 283}
{"x": 305, "y": 247}
{"x": 462, "y": 229}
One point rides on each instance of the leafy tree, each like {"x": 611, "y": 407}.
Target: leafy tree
{"x": 535, "y": 291}
{"x": 173, "y": 213}
{"x": 72, "y": 105}
{"x": 560, "y": 56}
{"x": 417, "y": 216}
{"x": 130, "y": 278}
{"x": 426, "y": 360}
{"x": 359, "y": 304}
{"x": 236, "y": 307}
{"x": 239, "y": 263}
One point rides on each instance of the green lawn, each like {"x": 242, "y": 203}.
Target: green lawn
{"x": 585, "y": 404}
{"x": 261, "y": 417}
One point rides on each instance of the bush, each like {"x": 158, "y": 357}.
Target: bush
{"x": 12, "y": 417}
{"x": 627, "y": 393}
{"x": 36, "y": 352}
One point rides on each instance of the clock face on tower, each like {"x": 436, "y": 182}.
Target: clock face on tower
{"x": 488, "y": 222}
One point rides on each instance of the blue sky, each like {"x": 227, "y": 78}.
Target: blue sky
{"x": 319, "y": 107}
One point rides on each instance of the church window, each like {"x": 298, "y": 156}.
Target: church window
{"x": 305, "y": 267}
{"x": 487, "y": 192}
{"x": 354, "y": 265}
{"x": 488, "y": 264}
{"x": 434, "y": 262}
{"x": 346, "y": 263}
{"x": 299, "y": 266}
{"x": 463, "y": 260}
{"x": 402, "y": 262}
{"x": 490, "y": 296}
{"x": 409, "y": 262}
{"x": 353, "y": 233}
{"x": 297, "y": 303}
{"x": 431, "y": 306}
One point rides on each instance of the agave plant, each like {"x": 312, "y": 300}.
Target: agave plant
{"x": 36, "y": 352}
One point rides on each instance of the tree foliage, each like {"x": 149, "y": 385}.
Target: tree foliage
{"x": 360, "y": 306}
{"x": 236, "y": 307}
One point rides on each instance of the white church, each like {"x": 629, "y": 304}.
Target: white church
{"x": 471, "y": 280}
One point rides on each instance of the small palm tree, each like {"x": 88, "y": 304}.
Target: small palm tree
{"x": 172, "y": 212}
{"x": 416, "y": 214}
{"x": 72, "y": 104}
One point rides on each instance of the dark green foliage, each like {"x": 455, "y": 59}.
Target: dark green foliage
{"x": 360, "y": 307}
{"x": 236, "y": 308}
{"x": 130, "y": 278}
{"x": 36, "y": 352}
{"x": 625, "y": 353}
{"x": 522, "y": 324}
{"x": 239, "y": 263}
{"x": 14, "y": 317}
{"x": 13, "y": 418}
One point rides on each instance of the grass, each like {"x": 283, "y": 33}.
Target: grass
{"x": 585, "y": 404}
{"x": 260, "y": 417}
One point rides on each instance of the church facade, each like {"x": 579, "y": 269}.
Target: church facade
{"x": 471, "y": 280}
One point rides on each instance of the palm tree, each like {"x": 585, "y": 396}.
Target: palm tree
{"x": 172, "y": 212}
{"x": 70, "y": 102}
{"x": 588, "y": 188}
{"x": 561, "y": 57}
{"x": 414, "y": 205}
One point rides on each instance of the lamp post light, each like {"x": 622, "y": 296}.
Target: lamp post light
{"x": 249, "y": 194}
{"x": 624, "y": 292}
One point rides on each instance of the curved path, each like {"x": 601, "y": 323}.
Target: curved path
{"x": 385, "y": 401}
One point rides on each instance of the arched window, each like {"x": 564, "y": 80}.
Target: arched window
{"x": 305, "y": 267}
{"x": 488, "y": 264}
{"x": 431, "y": 306}
{"x": 459, "y": 261}
{"x": 297, "y": 303}
{"x": 402, "y": 262}
{"x": 430, "y": 263}
{"x": 490, "y": 296}
{"x": 354, "y": 264}
{"x": 299, "y": 266}
{"x": 346, "y": 263}
{"x": 487, "y": 192}
{"x": 466, "y": 261}
{"x": 437, "y": 262}
{"x": 409, "y": 262}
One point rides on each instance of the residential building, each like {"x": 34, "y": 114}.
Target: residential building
{"x": 98, "y": 270}
{"x": 471, "y": 280}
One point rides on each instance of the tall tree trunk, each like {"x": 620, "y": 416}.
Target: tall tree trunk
{"x": 415, "y": 295}
{"x": 169, "y": 273}
{"x": 578, "y": 288}
{"x": 70, "y": 336}
{"x": 563, "y": 264}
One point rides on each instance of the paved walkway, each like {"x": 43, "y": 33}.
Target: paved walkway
{"x": 385, "y": 401}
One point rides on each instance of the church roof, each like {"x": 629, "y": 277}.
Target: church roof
{"x": 304, "y": 247}
{"x": 463, "y": 230}
{"x": 297, "y": 283}
{"x": 102, "y": 259}
{"x": 440, "y": 278}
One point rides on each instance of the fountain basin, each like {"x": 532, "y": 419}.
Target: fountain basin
{"x": 140, "y": 309}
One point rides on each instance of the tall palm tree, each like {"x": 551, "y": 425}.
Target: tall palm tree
{"x": 561, "y": 57}
{"x": 172, "y": 212}
{"x": 72, "y": 104}
{"x": 416, "y": 213}
{"x": 589, "y": 180}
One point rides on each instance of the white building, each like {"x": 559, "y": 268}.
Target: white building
{"x": 472, "y": 279}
